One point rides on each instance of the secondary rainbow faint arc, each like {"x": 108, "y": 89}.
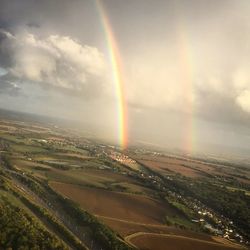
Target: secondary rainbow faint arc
{"x": 116, "y": 64}
{"x": 187, "y": 68}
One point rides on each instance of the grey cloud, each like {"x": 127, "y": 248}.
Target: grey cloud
{"x": 8, "y": 86}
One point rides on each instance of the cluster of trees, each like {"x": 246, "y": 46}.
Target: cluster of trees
{"x": 182, "y": 209}
{"x": 234, "y": 205}
{"x": 26, "y": 180}
{"x": 55, "y": 165}
{"x": 18, "y": 230}
{"x": 42, "y": 213}
{"x": 54, "y": 223}
{"x": 5, "y": 160}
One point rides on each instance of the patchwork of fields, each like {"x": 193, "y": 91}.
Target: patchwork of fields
{"x": 191, "y": 168}
{"x": 132, "y": 198}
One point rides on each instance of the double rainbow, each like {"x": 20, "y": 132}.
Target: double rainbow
{"x": 117, "y": 75}
{"x": 186, "y": 67}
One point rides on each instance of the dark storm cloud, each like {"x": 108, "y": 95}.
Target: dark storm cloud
{"x": 5, "y": 57}
{"x": 75, "y": 18}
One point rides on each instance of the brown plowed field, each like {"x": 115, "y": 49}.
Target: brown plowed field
{"x": 165, "y": 167}
{"x": 185, "y": 167}
{"x": 188, "y": 168}
{"x": 173, "y": 242}
{"x": 123, "y": 206}
{"x": 128, "y": 214}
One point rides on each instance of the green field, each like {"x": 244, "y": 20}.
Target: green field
{"x": 27, "y": 149}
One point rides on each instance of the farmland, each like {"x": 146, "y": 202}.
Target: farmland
{"x": 126, "y": 207}
{"x": 191, "y": 167}
{"x": 95, "y": 196}
{"x": 165, "y": 242}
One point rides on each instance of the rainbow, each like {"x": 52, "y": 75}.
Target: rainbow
{"x": 186, "y": 58}
{"x": 116, "y": 64}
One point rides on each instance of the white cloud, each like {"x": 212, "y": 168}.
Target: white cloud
{"x": 243, "y": 100}
{"x": 56, "y": 60}
{"x": 241, "y": 78}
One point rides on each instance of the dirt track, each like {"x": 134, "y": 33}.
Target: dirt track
{"x": 152, "y": 241}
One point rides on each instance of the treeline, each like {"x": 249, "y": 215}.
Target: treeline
{"x": 42, "y": 213}
{"x": 55, "y": 224}
{"x": 102, "y": 234}
{"x": 56, "y": 165}
{"x": 18, "y": 230}
{"x": 234, "y": 205}
{"x": 5, "y": 160}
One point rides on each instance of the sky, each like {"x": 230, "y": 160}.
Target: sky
{"x": 185, "y": 68}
